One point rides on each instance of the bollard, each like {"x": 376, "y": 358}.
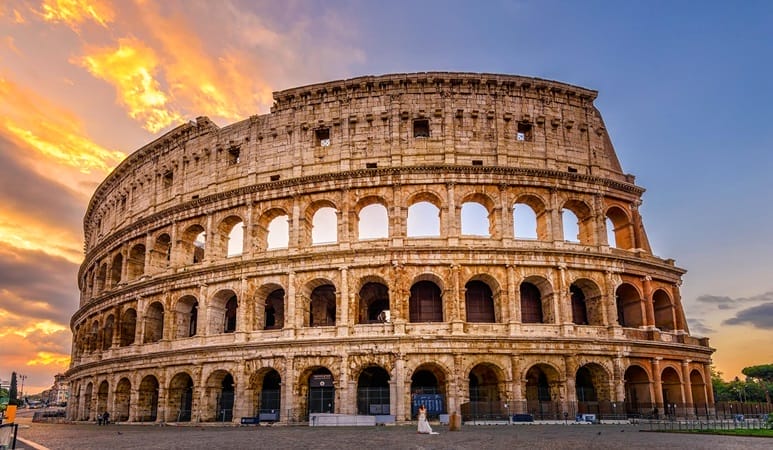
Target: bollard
{"x": 10, "y": 414}
{"x": 454, "y": 422}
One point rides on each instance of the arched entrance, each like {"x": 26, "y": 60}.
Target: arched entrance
{"x": 321, "y": 391}
{"x": 122, "y": 400}
{"x": 180, "y": 398}
{"x": 484, "y": 386}
{"x": 374, "y": 303}
{"x": 425, "y": 303}
{"x": 267, "y": 393}
{"x": 592, "y": 392}
{"x": 672, "y": 390}
{"x": 147, "y": 401}
{"x": 102, "y": 397}
{"x": 542, "y": 391}
{"x": 373, "y": 391}
{"x": 629, "y": 306}
{"x": 428, "y": 388}
{"x": 87, "y": 396}
{"x": 638, "y": 400}
{"x": 219, "y": 394}
{"x": 225, "y": 403}
{"x": 698, "y": 390}
{"x": 479, "y": 302}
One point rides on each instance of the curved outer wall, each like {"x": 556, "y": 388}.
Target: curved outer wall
{"x": 173, "y": 329}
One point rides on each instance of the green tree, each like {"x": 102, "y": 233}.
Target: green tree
{"x": 12, "y": 394}
{"x": 762, "y": 378}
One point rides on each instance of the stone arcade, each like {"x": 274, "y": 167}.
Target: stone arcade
{"x": 235, "y": 271}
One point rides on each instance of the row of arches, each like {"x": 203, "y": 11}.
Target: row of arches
{"x": 198, "y": 240}
{"x": 320, "y": 302}
{"x": 222, "y": 396}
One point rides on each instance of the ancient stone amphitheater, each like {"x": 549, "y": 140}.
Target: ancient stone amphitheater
{"x": 467, "y": 241}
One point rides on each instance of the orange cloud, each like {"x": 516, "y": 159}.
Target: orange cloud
{"x": 131, "y": 69}
{"x": 75, "y": 12}
{"x": 22, "y": 233}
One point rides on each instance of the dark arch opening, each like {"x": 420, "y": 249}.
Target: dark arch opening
{"x": 479, "y": 302}
{"x": 373, "y": 391}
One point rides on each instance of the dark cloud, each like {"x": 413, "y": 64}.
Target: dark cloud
{"x": 760, "y": 316}
{"x": 725, "y": 303}
{"x": 699, "y": 326}
{"x": 23, "y": 190}
{"x": 37, "y": 285}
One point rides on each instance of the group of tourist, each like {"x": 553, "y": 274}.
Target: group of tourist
{"x": 103, "y": 419}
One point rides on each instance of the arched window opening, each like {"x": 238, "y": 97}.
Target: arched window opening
{"x": 94, "y": 340}
{"x": 629, "y": 306}
{"x": 128, "y": 327}
{"x": 524, "y": 221}
{"x": 154, "y": 323}
{"x": 161, "y": 255}
{"x": 324, "y": 228}
{"x": 278, "y": 233}
{"x": 374, "y": 303}
{"x": 187, "y": 317}
{"x": 274, "y": 310}
{"x": 611, "y": 241}
{"x": 531, "y": 304}
{"x": 115, "y": 270}
{"x": 425, "y": 303}
{"x": 637, "y": 391}
{"x": 423, "y": 220}
{"x": 225, "y": 407}
{"x": 180, "y": 397}
{"x": 373, "y": 392}
{"x": 323, "y": 306}
{"x": 229, "y": 325}
{"x": 428, "y": 388}
{"x": 199, "y": 245}
{"x": 698, "y": 389}
{"x": 235, "y": 240}
{"x": 270, "y": 394}
{"x": 538, "y": 388}
{"x": 479, "y": 302}
{"x": 475, "y": 220}
{"x": 672, "y": 386}
{"x": 579, "y": 308}
{"x": 100, "y": 279}
{"x": 136, "y": 264}
{"x": 321, "y": 391}
{"x": 584, "y": 388}
{"x": 373, "y": 222}
{"x": 147, "y": 400}
{"x": 107, "y": 334}
{"x": 121, "y": 401}
{"x": 571, "y": 226}
{"x": 664, "y": 311}
{"x": 484, "y": 389}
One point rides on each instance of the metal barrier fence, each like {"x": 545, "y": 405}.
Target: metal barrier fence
{"x": 8, "y": 435}
{"x": 740, "y": 422}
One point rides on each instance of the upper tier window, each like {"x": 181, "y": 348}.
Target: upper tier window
{"x": 421, "y": 128}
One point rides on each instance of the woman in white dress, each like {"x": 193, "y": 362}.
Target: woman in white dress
{"x": 424, "y": 427}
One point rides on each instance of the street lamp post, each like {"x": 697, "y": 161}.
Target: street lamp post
{"x": 22, "y": 377}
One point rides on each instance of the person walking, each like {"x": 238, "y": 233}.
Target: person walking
{"x": 424, "y": 427}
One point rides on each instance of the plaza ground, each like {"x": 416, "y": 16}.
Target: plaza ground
{"x": 189, "y": 437}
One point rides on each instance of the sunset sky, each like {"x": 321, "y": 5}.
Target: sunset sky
{"x": 684, "y": 87}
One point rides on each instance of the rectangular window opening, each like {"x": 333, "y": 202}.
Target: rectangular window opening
{"x": 477, "y": 162}
{"x": 274, "y": 177}
{"x": 168, "y": 179}
{"x": 524, "y": 132}
{"x": 371, "y": 165}
{"x": 234, "y": 155}
{"x": 421, "y": 128}
{"x": 571, "y": 169}
{"x": 322, "y": 137}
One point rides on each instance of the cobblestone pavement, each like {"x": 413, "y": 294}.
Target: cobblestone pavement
{"x": 114, "y": 437}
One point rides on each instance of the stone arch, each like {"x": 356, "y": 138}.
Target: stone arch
{"x": 429, "y": 386}
{"x": 542, "y": 385}
{"x": 161, "y": 253}
{"x": 317, "y": 390}
{"x": 373, "y": 395}
{"x": 219, "y": 397}
{"x": 322, "y": 306}
{"x": 537, "y": 212}
{"x": 272, "y": 230}
{"x": 223, "y": 310}
{"x": 372, "y": 218}
{"x": 154, "y": 323}
{"x": 536, "y": 300}
{"x": 186, "y": 318}
{"x": 100, "y": 279}
{"x": 94, "y": 337}
{"x": 108, "y": 331}
{"x": 479, "y": 302}
{"x": 192, "y": 244}
{"x": 587, "y": 302}
{"x": 135, "y": 266}
{"x": 122, "y": 400}
{"x": 629, "y": 306}
{"x": 317, "y": 230}
{"x": 638, "y": 397}
{"x": 115, "y": 270}
{"x": 180, "y": 398}
{"x": 425, "y": 303}
{"x": 622, "y": 228}
{"x": 698, "y": 389}
{"x": 147, "y": 400}
{"x": 87, "y": 400}
{"x": 270, "y": 307}
{"x": 664, "y": 310}
{"x": 487, "y": 205}
{"x": 422, "y": 220}
{"x": 102, "y": 394}
{"x": 584, "y": 215}
{"x": 671, "y": 383}
{"x": 266, "y": 386}
{"x": 373, "y": 305}
{"x": 591, "y": 386}
{"x": 486, "y": 384}
{"x": 229, "y": 237}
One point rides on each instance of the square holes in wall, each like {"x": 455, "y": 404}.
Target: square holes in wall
{"x": 234, "y": 155}
{"x": 524, "y": 132}
{"x": 168, "y": 179}
{"x": 421, "y": 128}
{"x": 274, "y": 177}
{"x": 322, "y": 137}
{"x": 371, "y": 165}
{"x": 477, "y": 162}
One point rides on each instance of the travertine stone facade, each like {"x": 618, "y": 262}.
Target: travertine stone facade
{"x": 207, "y": 293}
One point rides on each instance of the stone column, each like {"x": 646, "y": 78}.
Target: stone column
{"x": 687, "y": 387}
{"x": 344, "y": 237}
{"x": 243, "y": 306}
{"x": 455, "y": 308}
{"x": 139, "y": 332}
{"x": 397, "y": 390}
{"x": 506, "y": 226}
{"x": 619, "y": 382}
{"x": 248, "y": 233}
{"x": 202, "y": 325}
{"x": 124, "y": 266}
{"x": 148, "y": 254}
{"x": 563, "y": 310}
{"x": 162, "y": 403}
{"x": 134, "y": 399}
{"x": 450, "y": 226}
{"x": 610, "y": 299}
{"x": 295, "y": 232}
{"x": 342, "y": 309}
{"x": 290, "y": 315}
{"x": 556, "y": 224}
{"x": 649, "y": 320}
{"x": 287, "y": 405}
{"x": 210, "y": 240}
{"x": 241, "y": 383}
{"x": 513, "y": 295}
{"x": 657, "y": 384}
{"x": 571, "y": 379}
{"x": 707, "y": 385}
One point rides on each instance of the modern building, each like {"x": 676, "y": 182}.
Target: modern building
{"x": 468, "y": 241}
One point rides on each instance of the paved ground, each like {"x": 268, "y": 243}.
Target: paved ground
{"x": 114, "y": 437}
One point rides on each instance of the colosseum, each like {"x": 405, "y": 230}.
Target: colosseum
{"x": 466, "y": 241}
